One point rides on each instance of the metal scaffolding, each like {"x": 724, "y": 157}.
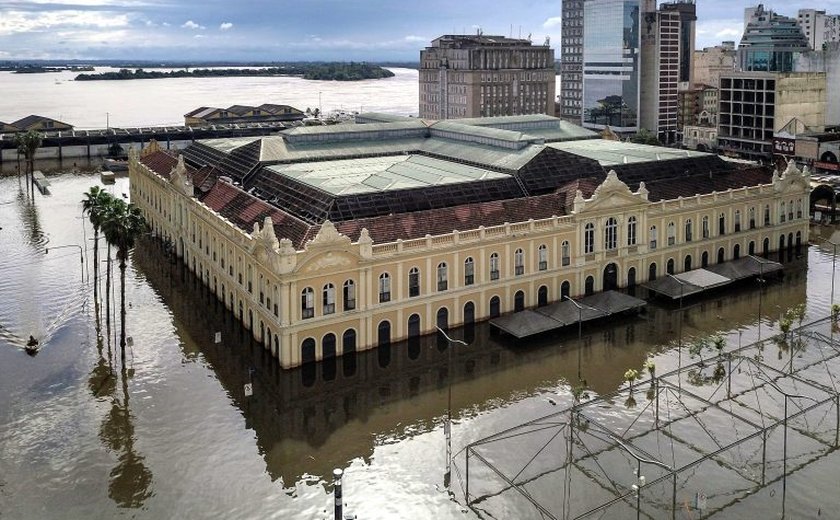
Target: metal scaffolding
{"x": 699, "y": 440}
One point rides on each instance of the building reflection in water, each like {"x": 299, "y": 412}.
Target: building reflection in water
{"x": 320, "y": 416}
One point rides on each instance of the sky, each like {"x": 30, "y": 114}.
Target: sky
{"x": 264, "y": 30}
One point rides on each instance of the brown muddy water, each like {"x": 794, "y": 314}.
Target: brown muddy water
{"x": 173, "y": 436}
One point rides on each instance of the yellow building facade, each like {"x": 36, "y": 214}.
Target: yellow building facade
{"x": 337, "y": 295}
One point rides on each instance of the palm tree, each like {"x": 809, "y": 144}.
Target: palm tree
{"x": 95, "y": 204}
{"x": 122, "y": 224}
{"x": 27, "y": 144}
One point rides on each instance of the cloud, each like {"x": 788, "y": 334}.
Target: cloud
{"x": 197, "y": 36}
{"x": 189, "y": 24}
{"x": 225, "y": 26}
{"x": 12, "y": 22}
{"x": 414, "y": 38}
{"x": 712, "y": 32}
{"x": 552, "y": 22}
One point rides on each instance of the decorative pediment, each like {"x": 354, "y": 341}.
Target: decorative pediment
{"x": 792, "y": 177}
{"x": 180, "y": 179}
{"x": 328, "y": 236}
{"x": 365, "y": 244}
{"x": 328, "y": 261}
{"x": 265, "y": 237}
{"x": 150, "y": 148}
{"x": 611, "y": 193}
{"x": 133, "y": 156}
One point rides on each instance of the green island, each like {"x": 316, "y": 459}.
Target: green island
{"x": 318, "y": 71}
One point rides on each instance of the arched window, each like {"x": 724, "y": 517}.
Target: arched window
{"x": 631, "y": 277}
{"x": 631, "y": 231}
{"x": 469, "y": 271}
{"x": 736, "y": 253}
{"x": 565, "y": 289}
{"x": 782, "y": 210}
{"x": 790, "y": 210}
{"x": 469, "y": 313}
{"x": 494, "y": 266}
{"x": 722, "y": 224}
{"x": 652, "y": 272}
{"x": 307, "y": 303}
{"x": 704, "y": 259}
{"x": 721, "y": 256}
{"x": 413, "y": 282}
{"x": 414, "y": 326}
{"x": 307, "y": 351}
{"x": 329, "y": 298}
{"x": 542, "y": 257}
{"x": 442, "y": 276}
{"x": 737, "y": 220}
{"x": 383, "y": 334}
{"x": 751, "y": 248}
{"x": 519, "y": 262}
{"x": 519, "y": 301}
{"x": 752, "y": 217}
{"x": 611, "y": 234}
{"x": 653, "y": 237}
{"x": 669, "y": 268}
{"x": 348, "y": 342}
{"x": 328, "y": 353}
{"x": 689, "y": 230}
{"x": 687, "y": 263}
{"x": 799, "y": 208}
{"x": 767, "y": 214}
{"x": 565, "y": 253}
{"x": 672, "y": 233}
{"x": 542, "y": 296}
{"x": 384, "y": 288}
{"x": 589, "y": 286}
{"x": 349, "y": 295}
{"x": 495, "y": 306}
{"x": 589, "y": 238}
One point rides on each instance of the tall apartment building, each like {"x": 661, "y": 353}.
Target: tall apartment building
{"x": 711, "y": 62}
{"x": 687, "y": 10}
{"x": 660, "y": 70}
{"x": 755, "y": 105}
{"x": 819, "y": 27}
{"x": 770, "y": 42}
{"x": 465, "y": 76}
{"x": 571, "y": 61}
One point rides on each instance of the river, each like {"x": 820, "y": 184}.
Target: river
{"x": 175, "y": 436}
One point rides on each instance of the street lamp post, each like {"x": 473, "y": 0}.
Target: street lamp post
{"x": 81, "y": 255}
{"x": 679, "y": 326}
{"x": 447, "y": 476}
{"x": 580, "y": 331}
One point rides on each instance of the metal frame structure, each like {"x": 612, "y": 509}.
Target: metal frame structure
{"x": 707, "y": 436}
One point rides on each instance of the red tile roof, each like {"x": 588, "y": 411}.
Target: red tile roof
{"x": 160, "y": 162}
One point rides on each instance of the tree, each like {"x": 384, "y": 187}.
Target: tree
{"x": 27, "y": 145}
{"x": 645, "y": 136}
{"x": 94, "y": 204}
{"x": 123, "y": 224}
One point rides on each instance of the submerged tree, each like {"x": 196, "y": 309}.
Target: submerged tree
{"x": 95, "y": 204}
{"x": 27, "y": 145}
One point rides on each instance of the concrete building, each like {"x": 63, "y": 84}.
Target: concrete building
{"x": 702, "y": 138}
{"x": 819, "y": 27}
{"x": 265, "y": 113}
{"x": 327, "y": 240}
{"x": 477, "y": 76}
{"x": 827, "y": 60}
{"x": 687, "y": 11}
{"x": 39, "y": 123}
{"x": 755, "y": 105}
{"x": 770, "y": 42}
{"x": 711, "y": 62}
{"x": 698, "y": 106}
{"x": 571, "y": 61}
{"x": 660, "y": 70}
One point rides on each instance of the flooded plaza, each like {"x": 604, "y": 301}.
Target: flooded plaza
{"x": 172, "y": 433}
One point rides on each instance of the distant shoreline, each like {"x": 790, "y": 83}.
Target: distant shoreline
{"x": 312, "y": 71}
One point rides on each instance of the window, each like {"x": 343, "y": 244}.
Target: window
{"x": 790, "y": 210}
{"x": 722, "y": 224}
{"x": 565, "y": 253}
{"x": 737, "y": 220}
{"x": 782, "y": 212}
{"x": 688, "y": 230}
{"x": 611, "y": 234}
{"x": 519, "y": 262}
{"x": 349, "y": 295}
{"x": 653, "y": 237}
{"x": 752, "y": 217}
{"x": 469, "y": 271}
{"x": 442, "y": 280}
{"x": 494, "y": 266}
{"x": 631, "y": 231}
{"x": 384, "y": 288}
{"x": 672, "y": 233}
{"x": 589, "y": 239}
{"x": 799, "y": 209}
{"x": 307, "y": 303}
{"x": 542, "y": 257}
{"x": 767, "y": 215}
{"x": 329, "y": 298}
{"x": 705, "y": 224}
{"x": 413, "y": 282}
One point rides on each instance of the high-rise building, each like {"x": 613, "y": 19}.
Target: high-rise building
{"x": 770, "y": 42}
{"x": 819, "y": 27}
{"x": 687, "y": 11}
{"x": 478, "y": 75}
{"x": 611, "y": 64}
{"x": 571, "y": 61}
{"x": 660, "y": 70}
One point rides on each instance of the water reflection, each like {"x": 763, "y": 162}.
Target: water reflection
{"x": 320, "y": 416}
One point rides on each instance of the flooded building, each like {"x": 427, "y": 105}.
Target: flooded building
{"x": 327, "y": 240}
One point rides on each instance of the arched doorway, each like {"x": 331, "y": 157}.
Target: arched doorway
{"x": 469, "y": 322}
{"x": 781, "y": 248}
{"x": 610, "y": 277}
{"x": 687, "y": 263}
{"x": 348, "y": 352}
{"x": 721, "y": 255}
{"x": 751, "y": 248}
{"x": 542, "y": 296}
{"x": 652, "y": 272}
{"x": 589, "y": 286}
{"x": 495, "y": 306}
{"x": 414, "y": 336}
{"x": 631, "y": 277}
{"x": 519, "y": 301}
{"x": 669, "y": 267}
{"x": 766, "y": 247}
{"x": 383, "y": 348}
{"x": 329, "y": 362}
{"x": 704, "y": 259}
{"x": 565, "y": 289}
{"x": 307, "y": 358}
{"x": 798, "y": 243}
{"x": 736, "y": 252}
{"x": 442, "y": 322}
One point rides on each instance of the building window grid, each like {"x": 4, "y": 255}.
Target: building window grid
{"x": 442, "y": 277}
{"x": 329, "y": 299}
{"x": 542, "y": 257}
{"x": 469, "y": 271}
{"x": 413, "y": 282}
{"x": 611, "y": 234}
{"x": 519, "y": 262}
{"x": 494, "y": 266}
{"x": 384, "y": 288}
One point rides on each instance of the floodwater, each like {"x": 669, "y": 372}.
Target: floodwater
{"x": 172, "y": 434}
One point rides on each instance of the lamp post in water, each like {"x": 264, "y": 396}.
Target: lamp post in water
{"x": 81, "y": 255}
{"x": 447, "y": 476}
